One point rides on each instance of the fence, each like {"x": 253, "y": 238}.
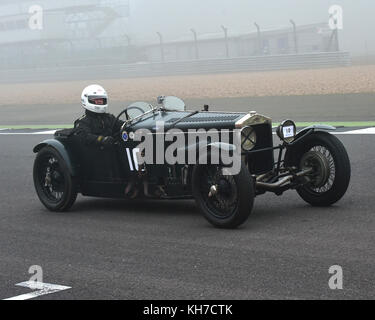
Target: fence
{"x": 245, "y": 64}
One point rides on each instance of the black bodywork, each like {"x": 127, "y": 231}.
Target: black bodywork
{"x": 106, "y": 172}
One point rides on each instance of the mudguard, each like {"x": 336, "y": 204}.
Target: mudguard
{"x": 311, "y": 129}
{"x": 61, "y": 149}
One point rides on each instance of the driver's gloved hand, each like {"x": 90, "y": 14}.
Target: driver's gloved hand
{"x": 106, "y": 141}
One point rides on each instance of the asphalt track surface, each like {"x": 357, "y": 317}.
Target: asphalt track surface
{"x": 114, "y": 249}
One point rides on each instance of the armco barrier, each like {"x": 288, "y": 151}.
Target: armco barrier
{"x": 246, "y": 64}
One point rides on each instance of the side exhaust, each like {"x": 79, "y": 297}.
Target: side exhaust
{"x": 282, "y": 182}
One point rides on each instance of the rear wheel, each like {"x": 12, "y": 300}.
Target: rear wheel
{"x": 53, "y": 182}
{"x": 225, "y": 200}
{"x": 326, "y": 155}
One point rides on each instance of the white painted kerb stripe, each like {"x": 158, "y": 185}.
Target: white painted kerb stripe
{"x": 43, "y": 289}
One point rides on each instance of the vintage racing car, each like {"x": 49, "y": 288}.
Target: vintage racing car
{"x": 311, "y": 161}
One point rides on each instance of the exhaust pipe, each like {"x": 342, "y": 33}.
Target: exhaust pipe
{"x": 281, "y": 182}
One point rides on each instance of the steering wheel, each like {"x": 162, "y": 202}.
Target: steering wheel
{"x": 114, "y": 134}
{"x": 133, "y": 108}
{"x": 125, "y": 111}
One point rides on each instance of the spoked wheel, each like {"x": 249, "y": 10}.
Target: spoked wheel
{"x": 323, "y": 175}
{"x": 219, "y": 192}
{"x": 330, "y": 176}
{"x": 53, "y": 183}
{"x": 225, "y": 200}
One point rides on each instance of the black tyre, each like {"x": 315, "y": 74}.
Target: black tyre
{"x": 225, "y": 201}
{"x": 330, "y": 178}
{"x": 53, "y": 182}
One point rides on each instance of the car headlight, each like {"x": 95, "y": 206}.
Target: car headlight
{"x": 248, "y": 138}
{"x": 287, "y": 131}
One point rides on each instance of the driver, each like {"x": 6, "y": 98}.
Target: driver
{"x": 95, "y": 126}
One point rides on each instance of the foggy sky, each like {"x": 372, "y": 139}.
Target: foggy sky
{"x": 176, "y": 17}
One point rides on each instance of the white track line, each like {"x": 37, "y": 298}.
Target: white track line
{"x": 46, "y": 132}
{"x": 367, "y": 131}
{"x": 359, "y": 131}
{"x": 43, "y": 289}
{"x": 28, "y": 133}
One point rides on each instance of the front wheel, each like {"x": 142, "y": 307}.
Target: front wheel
{"x": 53, "y": 182}
{"x": 226, "y": 201}
{"x": 330, "y": 176}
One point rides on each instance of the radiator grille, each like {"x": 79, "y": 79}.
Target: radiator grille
{"x": 262, "y": 162}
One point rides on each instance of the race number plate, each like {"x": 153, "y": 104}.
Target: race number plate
{"x": 288, "y": 132}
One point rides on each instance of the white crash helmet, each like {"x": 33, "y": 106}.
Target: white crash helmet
{"x": 94, "y": 98}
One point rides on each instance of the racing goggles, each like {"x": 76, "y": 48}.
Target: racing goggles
{"x": 98, "y": 100}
